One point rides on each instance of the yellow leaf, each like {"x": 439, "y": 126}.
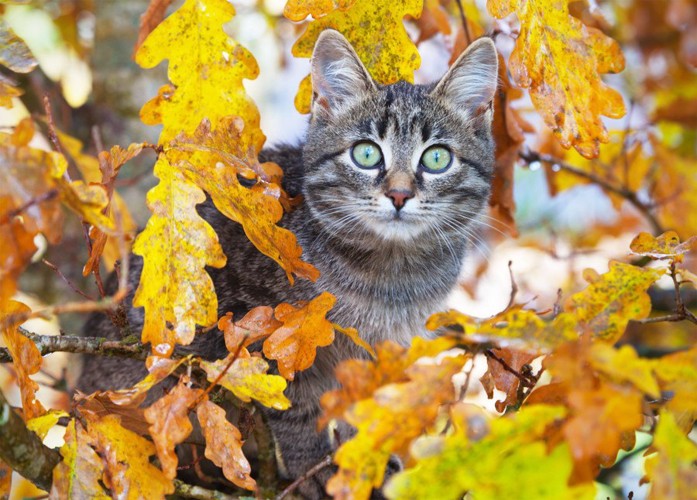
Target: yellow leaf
{"x": 388, "y": 422}
{"x": 125, "y": 455}
{"x": 375, "y": 30}
{"x": 159, "y": 368}
{"x": 677, "y": 375}
{"x": 213, "y": 160}
{"x": 176, "y": 245}
{"x": 79, "y": 475}
{"x": 304, "y": 329}
{"x": 606, "y": 305}
{"x": 26, "y": 358}
{"x": 518, "y": 328}
{"x": 170, "y": 424}
{"x": 510, "y": 461}
{"x": 206, "y": 68}
{"x": 42, "y": 424}
{"x": 623, "y": 365}
{"x": 672, "y": 469}
{"x": 665, "y": 246}
{"x": 298, "y": 10}
{"x": 247, "y": 379}
{"x": 561, "y": 60}
{"x": 224, "y": 445}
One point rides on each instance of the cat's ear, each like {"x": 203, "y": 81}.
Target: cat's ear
{"x": 471, "y": 82}
{"x": 338, "y": 75}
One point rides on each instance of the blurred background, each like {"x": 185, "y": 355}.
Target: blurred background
{"x": 558, "y": 228}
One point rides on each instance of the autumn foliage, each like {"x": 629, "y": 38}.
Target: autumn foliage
{"x": 581, "y": 379}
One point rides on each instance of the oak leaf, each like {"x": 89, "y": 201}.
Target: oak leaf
{"x": 298, "y": 10}
{"x": 503, "y": 379}
{"x": 665, "y": 246}
{"x": 247, "y": 378}
{"x": 560, "y": 60}
{"x": 304, "y": 329}
{"x": 376, "y": 31}
{"x": 127, "y": 470}
{"x": 214, "y": 159}
{"x": 677, "y": 377}
{"x": 206, "y": 68}
{"x": 79, "y": 474}
{"x": 170, "y": 424}
{"x": 623, "y": 365}
{"x": 176, "y": 246}
{"x": 14, "y": 53}
{"x": 25, "y": 355}
{"x": 224, "y": 445}
{"x": 612, "y": 299}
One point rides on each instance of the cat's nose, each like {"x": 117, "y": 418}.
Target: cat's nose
{"x": 399, "y": 197}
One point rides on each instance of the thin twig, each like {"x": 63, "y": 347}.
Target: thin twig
{"x": 463, "y": 18}
{"x": 47, "y": 196}
{"x": 627, "y": 194}
{"x": 66, "y": 280}
{"x": 514, "y": 287}
{"x": 325, "y": 462}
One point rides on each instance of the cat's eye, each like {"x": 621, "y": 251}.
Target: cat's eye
{"x": 366, "y": 154}
{"x": 436, "y": 159}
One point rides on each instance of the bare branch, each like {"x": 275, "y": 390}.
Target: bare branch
{"x": 645, "y": 208}
{"x": 22, "y": 450}
{"x": 48, "y": 344}
{"x": 185, "y": 490}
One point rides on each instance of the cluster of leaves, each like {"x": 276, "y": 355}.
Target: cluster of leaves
{"x": 562, "y": 423}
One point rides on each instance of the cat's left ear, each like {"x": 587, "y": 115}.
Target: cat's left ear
{"x": 338, "y": 75}
{"x": 471, "y": 82}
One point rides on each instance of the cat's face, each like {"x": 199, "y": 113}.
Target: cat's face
{"x": 398, "y": 162}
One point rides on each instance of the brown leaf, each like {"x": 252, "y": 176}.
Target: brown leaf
{"x": 224, "y": 445}
{"x": 503, "y": 379}
{"x": 170, "y": 424}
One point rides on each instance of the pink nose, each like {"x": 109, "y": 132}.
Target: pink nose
{"x": 399, "y": 197}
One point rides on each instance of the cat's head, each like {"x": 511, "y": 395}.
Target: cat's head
{"x": 401, "y": 161}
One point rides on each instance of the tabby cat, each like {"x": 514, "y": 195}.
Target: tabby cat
{"x": 393, "y": 178}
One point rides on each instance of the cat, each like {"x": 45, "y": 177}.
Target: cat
{"x": 393, "y": 179}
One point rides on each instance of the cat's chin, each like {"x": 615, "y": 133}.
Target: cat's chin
{"x": 397, "y": 229}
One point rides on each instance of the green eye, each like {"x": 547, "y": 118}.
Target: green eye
{"x": 366, "y": 154}
{"x": 436, "y": 159}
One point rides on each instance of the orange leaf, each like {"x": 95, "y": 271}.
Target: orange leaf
{"x": 224, "y": 445}
{"x": 25, "y": 355}
{"x": 170, "y": 424}
{"x": 304, "y": 329}
{"x": 257, "y": 324}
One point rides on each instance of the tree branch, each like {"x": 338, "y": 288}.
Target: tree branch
{"x": 199, "y": 493}
{"x": 48, "y": 344}
{"x": 627, "y": 194}
{"x": 23, "y": 450}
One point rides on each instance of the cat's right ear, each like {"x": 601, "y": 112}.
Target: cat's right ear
{"x": 338, "y": 75}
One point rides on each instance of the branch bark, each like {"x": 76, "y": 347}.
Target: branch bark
{"x": 22, "y": 450}
{"x": 48, "y": 344}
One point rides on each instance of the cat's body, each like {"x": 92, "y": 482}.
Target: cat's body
{"x": 388, "y": 238}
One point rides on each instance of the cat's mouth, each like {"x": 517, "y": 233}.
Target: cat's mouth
{"x": 397, "y": 226}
